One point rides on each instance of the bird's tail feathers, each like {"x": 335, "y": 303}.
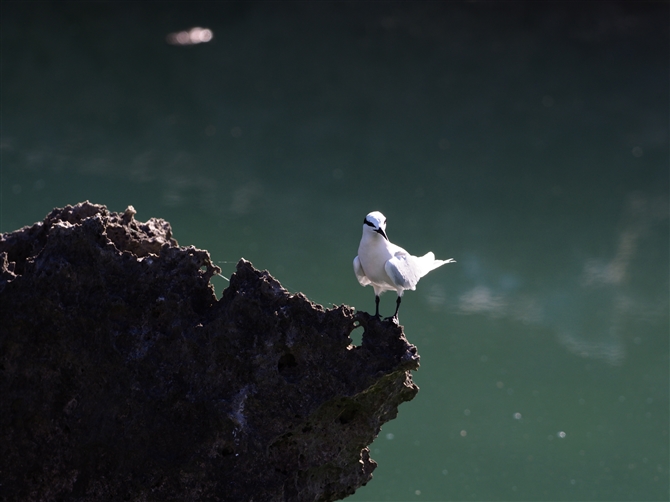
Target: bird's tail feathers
{"x": 428, "y": 262}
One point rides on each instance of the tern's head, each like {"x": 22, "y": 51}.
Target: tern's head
{"x": 375, "y": 222}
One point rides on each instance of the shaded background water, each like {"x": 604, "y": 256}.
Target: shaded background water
{"x": 528, "y": 142}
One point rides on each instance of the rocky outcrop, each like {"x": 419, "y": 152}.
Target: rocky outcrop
{"x": 124, "y": 378}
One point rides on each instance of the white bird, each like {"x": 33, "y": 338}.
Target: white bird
{"x": 387, "y": 267}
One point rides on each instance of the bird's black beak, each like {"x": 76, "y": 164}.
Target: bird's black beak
{"x": 381, "y": 232}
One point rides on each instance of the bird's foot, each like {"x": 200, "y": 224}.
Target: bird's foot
{"x": 393, "y": 319}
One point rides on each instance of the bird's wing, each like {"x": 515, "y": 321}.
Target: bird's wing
{"x": 403, "y": 269}
{"x": 360, "y": 273}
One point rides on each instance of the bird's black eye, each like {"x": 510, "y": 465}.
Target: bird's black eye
{"x": 366, "y": 222}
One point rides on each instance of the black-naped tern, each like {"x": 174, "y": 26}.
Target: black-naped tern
{"x": 387, "y": 267}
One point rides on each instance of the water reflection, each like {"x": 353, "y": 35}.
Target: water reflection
{"x": 589, "y": 316}
{"x": 193, "y": 36}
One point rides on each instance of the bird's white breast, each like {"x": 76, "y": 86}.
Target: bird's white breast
{"x": 373, "y": 253}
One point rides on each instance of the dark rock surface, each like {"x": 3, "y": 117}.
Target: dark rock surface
{"x": 123, "y": 377}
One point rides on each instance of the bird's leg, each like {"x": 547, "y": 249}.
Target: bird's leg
{"x": 397, "y": 307}
{"x": 394, "y": 317}
{"x": 377, "y": 306}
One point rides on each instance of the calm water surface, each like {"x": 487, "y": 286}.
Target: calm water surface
{"x": 530, "y": 144}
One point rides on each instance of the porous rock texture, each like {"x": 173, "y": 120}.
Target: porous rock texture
{"x": 124, "y": 378}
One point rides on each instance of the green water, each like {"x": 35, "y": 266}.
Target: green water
{"x": 528, "y": 143}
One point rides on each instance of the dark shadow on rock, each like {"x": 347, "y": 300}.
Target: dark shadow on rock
{"x": 123, "y": 377}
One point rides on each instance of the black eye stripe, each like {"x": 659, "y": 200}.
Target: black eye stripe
{"x": 365, "y": 221}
